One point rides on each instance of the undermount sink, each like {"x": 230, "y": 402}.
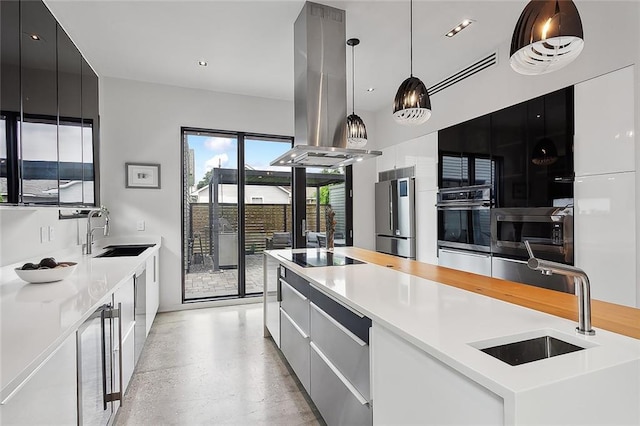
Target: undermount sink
{"x": 524, "y": 351}
{"x": 125, "y": 250}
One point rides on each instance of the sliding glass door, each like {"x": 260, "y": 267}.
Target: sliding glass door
{"x": 231, "y": 214}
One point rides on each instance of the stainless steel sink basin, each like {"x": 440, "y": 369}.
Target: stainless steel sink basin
{"x": 530, "y": 350}
{"x": 125, "y": 250}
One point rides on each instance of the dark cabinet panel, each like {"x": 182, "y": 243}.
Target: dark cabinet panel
{"x": 509, "y": 152}
{"x": 9, "y": 99}
{"x": 70, "y": 125}
{"x": 49, "y": 122}
{"x": 38, "y": 130}
{"x": 90, "y": 133}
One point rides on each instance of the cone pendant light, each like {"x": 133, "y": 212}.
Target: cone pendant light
{"x": 547, "y": 37}
{"x": 412, "y": 105}
{"x": 356, "y": 130}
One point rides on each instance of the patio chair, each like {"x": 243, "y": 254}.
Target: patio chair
{"x": 322, "y": 240}
{"x": 279, "y": 240}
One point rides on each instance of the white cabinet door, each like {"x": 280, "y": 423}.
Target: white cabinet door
{"x": 387, "y": 161}
{"x": 604, "y": 124}
{"x": 152, "y": 290}
{"x": 49, "y": 396}
{"x": 426, "y": 227}
{"x": 605, "y": 235}
{"x": 411, "y": 387}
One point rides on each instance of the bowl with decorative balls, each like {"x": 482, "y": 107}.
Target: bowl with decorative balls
{"x": 45, "y": 271}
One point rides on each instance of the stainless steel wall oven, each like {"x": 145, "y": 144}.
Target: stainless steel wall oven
{"x": 464, "y": 218}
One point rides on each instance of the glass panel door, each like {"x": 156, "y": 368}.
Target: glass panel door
{"x": 267, "y": 205}
{"x": 326, "y": 193}
{"x": 211, "y": 215}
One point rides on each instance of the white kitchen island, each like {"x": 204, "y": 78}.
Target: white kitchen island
{"x": 426, "y": 366}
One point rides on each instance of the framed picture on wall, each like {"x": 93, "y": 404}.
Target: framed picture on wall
{"x": 140, "y": 175}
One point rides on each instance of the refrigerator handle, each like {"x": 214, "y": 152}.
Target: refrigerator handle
{"x": 391, "y": 209}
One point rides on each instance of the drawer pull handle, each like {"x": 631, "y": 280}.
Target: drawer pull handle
{"x": 342, "y": 328}
{"x": 293, "y": 323}
{"x": 361, "y": 399}
{"x": 297, "y": 293}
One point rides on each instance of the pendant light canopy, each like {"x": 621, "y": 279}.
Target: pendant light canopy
{"x": 412, "y": 104}
{"x": 356, "y": 130}
{"x": 547, "y": 37}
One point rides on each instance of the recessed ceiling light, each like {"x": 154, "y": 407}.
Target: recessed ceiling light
{"x": 202, "y": 63}
{"x": 35, "y": 37}
{"x": 371, "y": 89}
{"x": 461, "y": 26}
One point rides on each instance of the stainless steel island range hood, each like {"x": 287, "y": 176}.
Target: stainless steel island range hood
{"x": 320, "y": 92}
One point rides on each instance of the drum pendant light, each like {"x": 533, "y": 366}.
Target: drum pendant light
{"x": 356, "y": 130}
{"x": 547, "y": 37}
{"x": 412, "y": 104}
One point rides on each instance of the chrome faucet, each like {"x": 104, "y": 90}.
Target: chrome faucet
{"x": 583, "y": 288}
{"x": 102, "y": 211}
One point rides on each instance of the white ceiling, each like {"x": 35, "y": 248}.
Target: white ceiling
{"x": 249, "y": 44}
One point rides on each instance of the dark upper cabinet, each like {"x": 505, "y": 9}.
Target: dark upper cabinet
{"x": 39, "y": 86}
{"x": 9, "y": 98}
{"x": 509, "y": 152}
{"x": 550, "y": 130}
{"x": 70, "y": 146}
{"x": 49, "y": 111}
{"x": 464, "y": 154}
{"x": 90, "y": 133}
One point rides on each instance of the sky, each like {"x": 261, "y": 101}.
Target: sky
{"x": 216, "y": 151}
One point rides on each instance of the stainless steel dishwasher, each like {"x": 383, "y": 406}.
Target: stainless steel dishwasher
{"x": 96, "y": 369}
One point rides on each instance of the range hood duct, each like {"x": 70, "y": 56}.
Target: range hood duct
{"x": 320, "y": 92}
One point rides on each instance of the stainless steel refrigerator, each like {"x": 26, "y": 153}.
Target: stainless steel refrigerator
{"x": 395, "y": 217}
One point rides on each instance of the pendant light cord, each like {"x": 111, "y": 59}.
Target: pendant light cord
{"x": 411, "y": 36}
{"x": 353, "y": 81}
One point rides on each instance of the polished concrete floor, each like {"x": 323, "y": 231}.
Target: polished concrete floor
{"x": 212, "y": 366}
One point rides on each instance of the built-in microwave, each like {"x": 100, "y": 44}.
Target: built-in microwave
{"x": 549, "y": 230}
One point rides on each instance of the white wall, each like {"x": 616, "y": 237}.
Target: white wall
{"x": 364, "y": 179}
{"x": 142, "y": 121}
{"x": 20, "y": 230}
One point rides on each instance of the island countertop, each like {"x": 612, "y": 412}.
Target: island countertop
{"x": 449, "y": 323}
{"x": 36, "y": 318}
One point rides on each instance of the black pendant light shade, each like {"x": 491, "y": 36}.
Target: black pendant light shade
{"x": 412, "y": 104}
{"x": 547, "y": 37}
{"x": 544, "y": 153}
{"x": 356, "y": 130}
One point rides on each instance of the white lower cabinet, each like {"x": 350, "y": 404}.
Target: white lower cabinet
{"x": 49, "y": 395}
{"x": 294, "y": 343}
{"x": 411, "y": 387}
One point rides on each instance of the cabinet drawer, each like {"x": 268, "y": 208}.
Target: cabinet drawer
{"x": 352, "y": 321}
{"x": 345, "y": 350}
{"x": 294, "y": 344}
{"x": 338, "y": 401}
{"x": 296, "y": 305}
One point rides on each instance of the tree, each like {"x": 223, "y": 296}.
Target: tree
{"x": 324, "y": 195}
{"x": 205, "y": 179}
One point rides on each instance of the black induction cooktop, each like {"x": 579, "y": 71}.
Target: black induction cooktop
{"x": 313, "y": 258}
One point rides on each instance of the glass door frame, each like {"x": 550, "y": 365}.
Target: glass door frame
{"x": 240, "y": 139}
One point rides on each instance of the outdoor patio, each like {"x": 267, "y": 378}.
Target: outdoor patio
{"x": 202, "y": 281}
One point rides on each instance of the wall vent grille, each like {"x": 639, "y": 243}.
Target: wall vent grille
{"x": 482, "y": 64}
